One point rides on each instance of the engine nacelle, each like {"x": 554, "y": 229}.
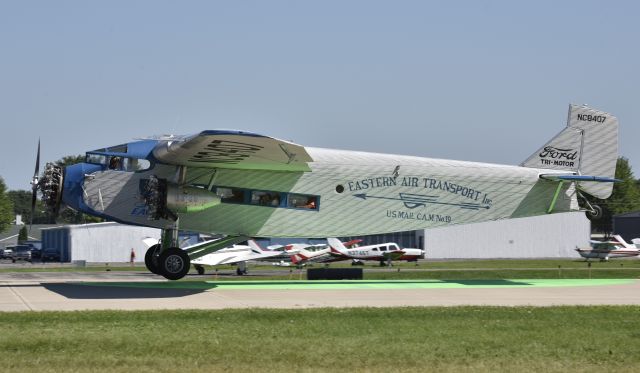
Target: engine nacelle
{"x": 186, "y": 199}
{"x": 166, "y": 199}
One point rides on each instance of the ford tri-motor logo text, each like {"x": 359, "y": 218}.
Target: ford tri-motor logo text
{"x": 552, "y": 156}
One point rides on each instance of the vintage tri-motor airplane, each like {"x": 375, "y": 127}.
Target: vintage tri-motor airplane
{"x": 245, "y": 185}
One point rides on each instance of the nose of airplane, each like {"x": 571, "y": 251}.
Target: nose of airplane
{"x": 72, "y": 191}
{"x": 51, "y": 186}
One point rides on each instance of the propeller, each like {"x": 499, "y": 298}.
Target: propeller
{"x": 34, "y": 187}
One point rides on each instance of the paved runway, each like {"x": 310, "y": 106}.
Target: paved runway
{"x": 143, "y": 291}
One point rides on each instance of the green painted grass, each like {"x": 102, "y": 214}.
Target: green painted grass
{"x": 477, "y": 339}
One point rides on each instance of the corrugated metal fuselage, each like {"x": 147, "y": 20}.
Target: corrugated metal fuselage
{"x": 359, "y": 194}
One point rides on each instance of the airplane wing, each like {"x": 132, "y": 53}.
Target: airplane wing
{"x": 235, "y": 150}
{"x": 607, "y": 245}
{"x": 218, "y": 258}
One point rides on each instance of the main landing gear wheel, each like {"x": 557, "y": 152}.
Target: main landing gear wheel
{"x": 174, "y": 263}
{"x": 595, "y": 213}
{"x": 200, "y": 269}
{"x": 151, "y": 259}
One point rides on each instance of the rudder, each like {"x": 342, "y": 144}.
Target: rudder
{"x": 587, "y": 146}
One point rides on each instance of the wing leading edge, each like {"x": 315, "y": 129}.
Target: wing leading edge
{"x": 235, "y": 150}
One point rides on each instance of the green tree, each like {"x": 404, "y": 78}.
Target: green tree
{"x": 22, "y": 206}
{"x": 626, "y": 194}
{"x": 22, "y": 235}
{"x": 69, "y": 160}
{"x": 625, "y": 197}
{"x": 6, "y": 207}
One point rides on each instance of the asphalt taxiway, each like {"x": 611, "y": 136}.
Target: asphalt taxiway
{"x": 143, "y": 291}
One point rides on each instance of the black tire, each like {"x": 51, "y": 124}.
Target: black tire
{"x": 239, "y": 272}
{"x": 151, "y": 259}
{"x": 595, "y": 214}
{"x": 174, "y": 263}
{"x": 200, "y": 269}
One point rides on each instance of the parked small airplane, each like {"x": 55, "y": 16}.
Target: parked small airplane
{"x": 384, "y": 252}
{"x": 617, "y": 247}
{"x": 239, "y": 254}
{"x": 302, "y": 254}
{"x": 244, "y": 185}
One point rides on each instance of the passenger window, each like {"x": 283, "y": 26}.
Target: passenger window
{"x": 230, "y": 195}
{"x": 303, "y": 201}
{"x": 265, "y": 198}
{"x": 374, "y": 249}
{"x": 383, "y": 248}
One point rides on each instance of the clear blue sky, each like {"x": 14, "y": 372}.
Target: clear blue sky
{"x": 478, "y": 80}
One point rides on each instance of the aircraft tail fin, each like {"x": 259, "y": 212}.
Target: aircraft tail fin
{"x": 336, "y": 244}
{"x": 622, "y": 241}
{"x": 587, "y": 146}
{"x": 255, "y": 246}
{"x": 298, "y": 258}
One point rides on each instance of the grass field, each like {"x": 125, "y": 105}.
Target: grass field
{"x": 478, "y": 339}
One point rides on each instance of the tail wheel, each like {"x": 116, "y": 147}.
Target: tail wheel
{"x": 174, "y": 263}
{"x": 151, "y": 259}
{"x": 200, "y": 269}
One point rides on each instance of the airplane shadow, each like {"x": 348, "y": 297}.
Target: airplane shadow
{"x": 150, "y": 290}
{"x": 117, "y": 291}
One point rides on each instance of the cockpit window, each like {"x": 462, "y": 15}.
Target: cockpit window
{"x": 118, "y": 149}
{"x": 96, "y": 159}
{"x": 135, "y": 164}
{"x": 118, "y": 163}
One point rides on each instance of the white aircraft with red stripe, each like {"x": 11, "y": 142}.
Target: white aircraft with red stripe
{"x": 617, "y": 247}
{"x": 302, "y": 254}
{"x": 383, "y": 252}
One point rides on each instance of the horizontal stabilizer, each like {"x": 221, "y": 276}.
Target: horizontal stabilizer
{"x": 598, "y": 179}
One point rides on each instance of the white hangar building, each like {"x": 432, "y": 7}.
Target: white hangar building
{"x": 101, "y": 242}
{"x": 545, "y": 236}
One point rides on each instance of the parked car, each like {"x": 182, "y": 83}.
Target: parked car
{"x": 6, "y": 253}
{"x": 19, "y": 252}
{"x": 50, "y": 254}
{"x": 36, "y": 253}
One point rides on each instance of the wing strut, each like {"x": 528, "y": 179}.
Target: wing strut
{"x": 555, "y": 197}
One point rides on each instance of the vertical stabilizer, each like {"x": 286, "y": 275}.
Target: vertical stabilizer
{"x": 587, "y": 146}
{"x": 336, "y": 244}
